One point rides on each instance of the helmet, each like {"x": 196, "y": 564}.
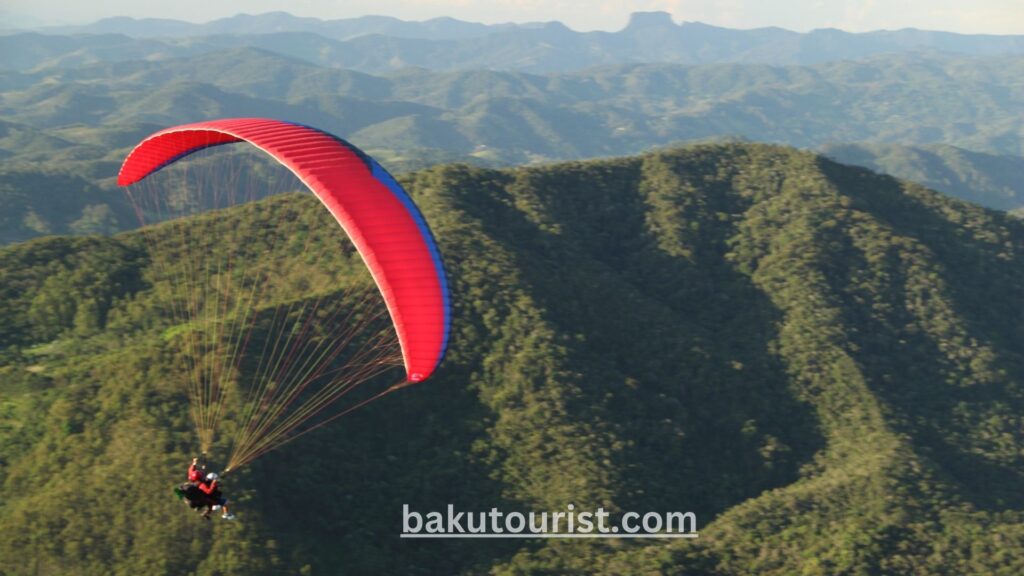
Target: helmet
{"x": 212, "y": 476}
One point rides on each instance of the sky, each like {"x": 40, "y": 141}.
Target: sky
{"x": 966, "y": 16}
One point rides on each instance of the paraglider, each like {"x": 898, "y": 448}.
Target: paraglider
{"x": 382, "y": 221}
{"x": 202, "y": 492}
{"x": 303, "y": 367}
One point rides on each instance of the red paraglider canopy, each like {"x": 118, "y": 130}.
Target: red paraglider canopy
{"x": 385, "y": 226}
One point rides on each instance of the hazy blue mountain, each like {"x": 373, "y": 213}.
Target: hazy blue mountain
{"x": 443, "y": 28}
{"x": 28, "y": 50}
{"x": 377, "y": 44}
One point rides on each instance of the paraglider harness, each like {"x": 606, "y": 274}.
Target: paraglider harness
{"x": 192, "y": 495}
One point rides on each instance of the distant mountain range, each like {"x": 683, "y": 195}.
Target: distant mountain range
{"x": 514, "y": 117}
{"x": 272, "y": 22}
{"x": 376, "y": 44}
{"x": 63, "y": 132}
{"x": 75, "y": 103}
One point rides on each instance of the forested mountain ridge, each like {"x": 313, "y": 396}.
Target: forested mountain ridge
{"x": 992, "y": 180}
{"x": 825, "y": 364}
{"x": 69, "y": 204}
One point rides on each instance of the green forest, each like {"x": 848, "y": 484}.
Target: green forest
{"x": 825, "y": 364}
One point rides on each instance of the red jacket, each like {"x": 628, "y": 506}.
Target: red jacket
{"x": 194, "y": 474}
{"x": 208, "y": 488}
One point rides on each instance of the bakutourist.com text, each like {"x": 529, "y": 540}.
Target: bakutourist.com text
{"x": 570, "y": 523}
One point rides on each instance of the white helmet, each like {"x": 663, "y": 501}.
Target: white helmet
{"x": 212, "y": 476}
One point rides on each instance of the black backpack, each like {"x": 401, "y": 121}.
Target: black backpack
{"x": 190, "y": 493}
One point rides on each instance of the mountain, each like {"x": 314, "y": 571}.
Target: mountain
{"x": 28, "y": 50}
{"x": 377, "y": 44}
{"x": 443, "y": 28}
{"x": 916, "y": 100}
{"x": 991, "y": 180}
{"x": 38, "y": 203}
{"x": 19, "y": 139}
{"x": 81, "y": 121}
{"x": 823, "y": 363}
